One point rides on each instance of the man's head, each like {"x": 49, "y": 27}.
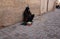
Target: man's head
{"x": 27, "y": 8}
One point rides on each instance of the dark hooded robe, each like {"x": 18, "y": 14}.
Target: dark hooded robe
{"x": 27, "y": 16}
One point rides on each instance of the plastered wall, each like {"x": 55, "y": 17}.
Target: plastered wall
{"x": 51, "y": 5}
{"x": 43, "y": 6}
{"x": 35, "y": 6}
{"x": 11, "y": 10}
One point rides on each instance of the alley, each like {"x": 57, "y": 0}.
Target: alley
{"x": 46, "y": 26}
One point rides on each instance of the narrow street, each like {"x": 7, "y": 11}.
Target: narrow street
{"x": 46, "y": 26}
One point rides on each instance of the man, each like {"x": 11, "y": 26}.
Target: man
{"x": 27, "y": 16}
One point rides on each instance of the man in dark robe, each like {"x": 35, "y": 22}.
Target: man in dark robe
{"x": 27, "y": 16}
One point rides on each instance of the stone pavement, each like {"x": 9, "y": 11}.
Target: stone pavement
{"x": 46, "y": 26}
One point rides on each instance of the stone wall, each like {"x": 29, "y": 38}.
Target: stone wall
{"x": 35, "y": 6}
{"x": 11, "y": 10}
{"x": 51, "y": 5}
{"x": 43, "y": 6}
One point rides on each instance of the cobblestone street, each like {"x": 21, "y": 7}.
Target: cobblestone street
{"x": 46, "y": 26}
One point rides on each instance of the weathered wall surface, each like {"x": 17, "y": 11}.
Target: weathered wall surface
{"x": 34, "y": 6}
{"x": 43, "y": 6}
{"x": 51, "y": 4}
{"x": 1, "y": 19}
{"x": 11, "y": 10}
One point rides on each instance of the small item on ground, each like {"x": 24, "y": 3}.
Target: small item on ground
{"x": 29, "y": 23}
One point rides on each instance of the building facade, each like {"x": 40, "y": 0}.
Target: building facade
{"x": 11, "y": 10}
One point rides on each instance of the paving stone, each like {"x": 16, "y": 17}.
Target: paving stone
{"x": 45, "y": 27}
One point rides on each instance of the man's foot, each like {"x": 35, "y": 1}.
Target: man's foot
{"x": 23, "y": 23}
